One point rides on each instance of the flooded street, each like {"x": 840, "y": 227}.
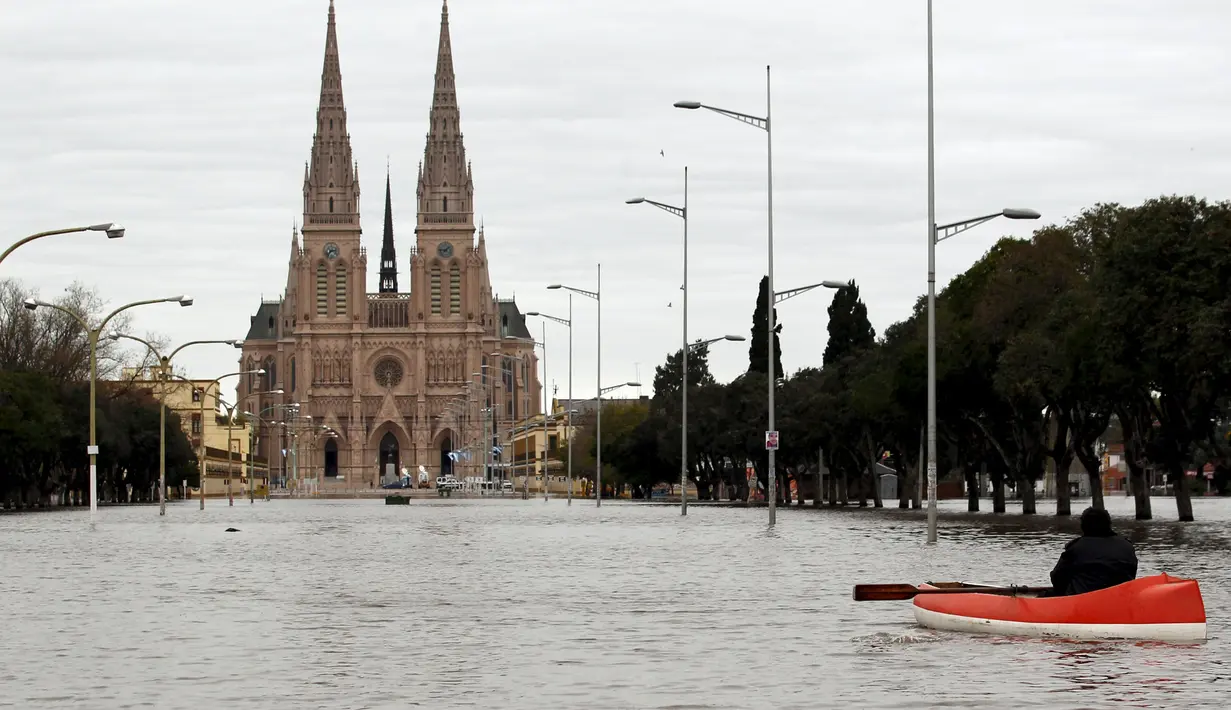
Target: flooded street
{"x": 521, "y": 604}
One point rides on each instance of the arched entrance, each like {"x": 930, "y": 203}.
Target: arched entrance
{"x": 331, "y": 458}
{"x": 446, "y": 446}
{"x": 390, "y": 462}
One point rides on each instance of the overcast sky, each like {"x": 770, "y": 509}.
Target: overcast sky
{"x": 190, "y": 122}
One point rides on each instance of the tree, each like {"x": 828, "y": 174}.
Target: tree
{"x": 758, "y": 347}
{"x": 54, "y": 343}
{"x": 1161, "y": 273}
{"x": 850, "y": 331}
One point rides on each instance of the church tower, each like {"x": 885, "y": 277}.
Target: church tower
{"x": 334, "y": 260}
{"x": 445, "y": 226}
{"x": 388, "y": 256}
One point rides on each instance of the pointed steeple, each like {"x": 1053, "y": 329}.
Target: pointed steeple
{"x": 291, "y": 273}
{"x": 388, "y": 258}
{"x": 331, "y": 185}
{"x": 445, "y": 188}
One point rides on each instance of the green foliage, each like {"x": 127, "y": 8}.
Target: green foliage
{"x": 44, "y": 406}
{"x": 1119, "y": 317}
{"x": 44, "y": 432}
{"x": 758, "y": 346}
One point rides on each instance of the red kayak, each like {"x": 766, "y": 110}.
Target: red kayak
{"x": 1160, "y": 608}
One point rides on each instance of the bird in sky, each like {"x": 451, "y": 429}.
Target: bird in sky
{"x": 663, "y": 153}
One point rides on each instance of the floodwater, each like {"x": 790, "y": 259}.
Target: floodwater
{"x": 521, "y": 604}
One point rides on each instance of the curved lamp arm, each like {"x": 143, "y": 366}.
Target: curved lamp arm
{"x": 32, "y": 303}
{"x": 182, "y": 300}
{"x": 114, "y": 231}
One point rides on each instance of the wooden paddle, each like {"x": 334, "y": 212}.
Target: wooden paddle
{"x": 897, "y": 592}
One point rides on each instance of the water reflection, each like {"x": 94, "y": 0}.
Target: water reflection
{"x": 516, "y": 604}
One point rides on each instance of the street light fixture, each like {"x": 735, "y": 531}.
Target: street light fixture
{"x": 765, "y": 124}
{"x": 596, "y": 294}
{"x": 113, "y": 230}
{"x": 164, "y": 366}
{"x": 780, "y": 296}
{"x": 201, "y": 446}
{"x": 682, "y": 213}
{"x": 92, "y": 335}
{"x": 937, "y": 234}
{"x": 684, "y": 425}
{"x": 567, "y": 322}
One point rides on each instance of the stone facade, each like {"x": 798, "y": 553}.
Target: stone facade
{"x": 400, "y": 378}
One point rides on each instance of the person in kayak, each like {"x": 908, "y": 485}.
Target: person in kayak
{"x": 1097, "y": 560}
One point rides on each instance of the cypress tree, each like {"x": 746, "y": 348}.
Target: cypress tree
{"x": 757, "y": 349}
{"x": 850, "y": 331}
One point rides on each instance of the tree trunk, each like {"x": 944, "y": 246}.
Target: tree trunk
{"x": 972, "y": 490}
{"x": 1096, "y": 490}
{"x": 1094, "y": 473}
{"x": 998, "y": 494}
{"x": 917, "y": 488}
{"x": 877, "y": 501}
{"x": 1064, "y": 505}
{"x": 1183, "y": 496}
{"x": 1141, "y": 490}
{"x": 831, "y": 487}
{"x": 861, "y": 490}
{"x": 844, "y": 493}
{"x": 1062, "y": 458}
{"x": 1027, "y": 493}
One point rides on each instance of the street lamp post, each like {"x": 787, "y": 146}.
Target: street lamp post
{"x": 568, "y": 323}
{"x": 114, "y": 231}
{"x": 546, "y": 410}
{"x": 766, "y": 125}
{"x": 164, "y": 367}
{"x": 253, "y": 439}
{"x": 684, "y": 436}
{"x": 937, "y": 234}
{"x": 491, "y": 434}
{"x": 512, "y": 372}
{"x": 201, "y": 446}
{"x": 596, "y": 294}
{"x": 682, "y": 213}
{"x": 93, "y": 335}
{"x": 251, "y": 446}
{"x": 598, "y": 437}
{"x": 264, "y": 422}
{"x": 771, "y": 447}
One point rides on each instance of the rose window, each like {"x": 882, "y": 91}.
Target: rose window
{"x": 388, "y": 373}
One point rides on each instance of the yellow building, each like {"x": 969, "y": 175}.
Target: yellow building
{"x": 227, "y": 448}
{"x": 523, "y": 451}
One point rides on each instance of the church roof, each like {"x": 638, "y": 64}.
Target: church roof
{"x": 512, "y": 322}
{"x": 264, "y": 325}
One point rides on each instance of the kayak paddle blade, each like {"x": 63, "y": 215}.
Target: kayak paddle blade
{"x": 884, "y": 592}
{"x": 900, "y": 592}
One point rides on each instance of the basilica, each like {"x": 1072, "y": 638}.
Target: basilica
{"x": 421, "y": 373}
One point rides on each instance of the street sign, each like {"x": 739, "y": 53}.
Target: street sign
{"x": 771, "y": 441}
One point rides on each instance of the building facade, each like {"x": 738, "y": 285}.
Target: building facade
{"x": 385, "y": 380}
{"x": 227, "y": 442}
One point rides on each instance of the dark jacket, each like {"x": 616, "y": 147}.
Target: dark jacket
{"x": 1092, "y": 563}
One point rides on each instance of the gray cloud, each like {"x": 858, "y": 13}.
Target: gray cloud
{"x": 190, "y": 123}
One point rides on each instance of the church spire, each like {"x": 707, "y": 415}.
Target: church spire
{"x": 444, "y": 178}
{"x": 331, "y": 186}
{"x": 388, "y": 259}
